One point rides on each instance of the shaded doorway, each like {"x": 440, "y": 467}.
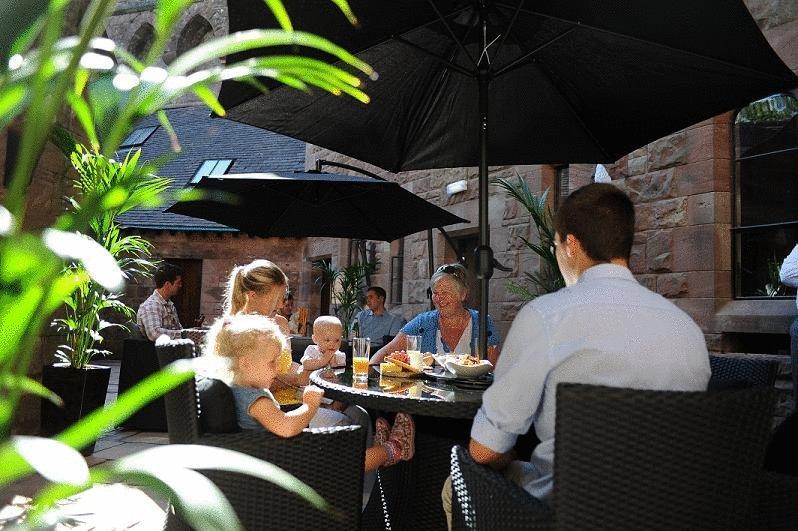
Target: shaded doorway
{"x": 187, "y": 302}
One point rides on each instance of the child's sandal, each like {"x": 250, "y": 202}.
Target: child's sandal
{"x": 404, "y": 435}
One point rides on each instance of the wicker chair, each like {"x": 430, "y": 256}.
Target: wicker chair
{"x": 631, "y": 459}
{"x": 328, "y": 459}
{"x": 138, "y": 362}
{"x": 736, "y": 372}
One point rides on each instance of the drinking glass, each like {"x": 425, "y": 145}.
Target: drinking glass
{"x": 360, "y": 357}
{"x": 414, "y": 351}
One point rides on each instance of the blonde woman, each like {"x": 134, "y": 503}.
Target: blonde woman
{"x": 450, "y": 327}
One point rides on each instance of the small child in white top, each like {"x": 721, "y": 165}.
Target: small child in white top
{"x": 327, "y": 332}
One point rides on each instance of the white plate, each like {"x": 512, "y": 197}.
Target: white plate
{"x": 468, "y": 371}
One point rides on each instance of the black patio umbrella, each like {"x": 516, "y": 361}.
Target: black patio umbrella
{"x": 296, "y": 204}
{"x": 478, "y": 82}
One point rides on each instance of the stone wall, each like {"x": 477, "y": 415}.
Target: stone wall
{"x": 219, "y": 253}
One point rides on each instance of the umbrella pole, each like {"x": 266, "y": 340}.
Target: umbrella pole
{"x": 484, "y": 252}
{"x": 431, "y": 259}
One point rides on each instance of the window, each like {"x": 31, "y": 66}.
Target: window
{"x": 212, "y": 167}
{"x": 765, "y": 223}
{"x": 562, "y": 185}
{"x": 397, "y": 267}
{"x": 137, "y": 137}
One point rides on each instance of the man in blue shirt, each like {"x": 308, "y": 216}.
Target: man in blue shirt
{"x": 376, "y": 321}
{"x": 603, "y": 328}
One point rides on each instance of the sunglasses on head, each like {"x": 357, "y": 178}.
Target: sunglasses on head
{"x": 452, "y": 269}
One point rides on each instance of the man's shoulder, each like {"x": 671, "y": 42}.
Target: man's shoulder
{"x": 149, "y": 302}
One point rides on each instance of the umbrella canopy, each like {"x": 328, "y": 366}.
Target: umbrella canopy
{"x": 478, "y": 82}
{"x": 315, "y": 204}
{"x": 570, "y": 81}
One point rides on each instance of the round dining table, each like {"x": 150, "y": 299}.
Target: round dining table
{"x": 443, "y": 411}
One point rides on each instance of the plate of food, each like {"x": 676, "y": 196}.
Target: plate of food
{"x": 403, "y": 360}
{"x": 397, "y": 368}
{"x": 465, "y": 365}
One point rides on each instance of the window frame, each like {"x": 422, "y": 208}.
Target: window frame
{"x": 128, "y": 143}
{"x": 197, "y": 176}
{"x": 736, "y": 230}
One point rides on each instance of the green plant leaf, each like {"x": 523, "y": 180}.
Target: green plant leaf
{"x": 53, "y": 460}
{"x": 343, "y": 5}
{"x": 11, "y": 99}
{"x": 214, "y": 458}
{"x": 83, "y": 114}
{"x": 252, "y": 39}
{"x": 29, "y": 386}
{"x": 208, "y": 97}
{"x": 167, "y": 12}
{"x": 278, "y": 9}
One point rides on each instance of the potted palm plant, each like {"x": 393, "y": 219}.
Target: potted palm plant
{"x": 548, "y": 278}
{"x": 346, "y": 286}
{"x": 81, "y": 385}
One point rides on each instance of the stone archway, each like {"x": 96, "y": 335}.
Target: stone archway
{"x": 195, "y": 32}
{"x": 141, "y": 41}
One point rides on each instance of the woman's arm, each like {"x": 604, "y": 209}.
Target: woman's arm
{"x": 493, "y": 354}
{"x": 397, "y": 343}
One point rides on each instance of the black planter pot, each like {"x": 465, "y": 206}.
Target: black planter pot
{"x": 82, "y": 390}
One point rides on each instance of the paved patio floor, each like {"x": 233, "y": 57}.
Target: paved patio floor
{"x": 106, "y": 507}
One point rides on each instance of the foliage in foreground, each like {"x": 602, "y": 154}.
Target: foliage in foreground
{"x": 44, "y": 74}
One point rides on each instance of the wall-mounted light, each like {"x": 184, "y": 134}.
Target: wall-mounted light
{"x": 456, "y": 187}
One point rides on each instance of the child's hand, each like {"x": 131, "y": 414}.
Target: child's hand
{"x": 312, "y": 396}
{"x": 338, "y": 406}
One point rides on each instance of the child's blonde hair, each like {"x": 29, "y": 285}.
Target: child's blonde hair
{"x": 260, "y": 276}
{"x": 325, "y": 322}
{"x": 233, "y": 336}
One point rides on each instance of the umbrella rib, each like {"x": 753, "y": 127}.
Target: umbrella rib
{"x": 753, "y": 71}
{"x": 451, "y": 32}
{"x": 519, "y": 62}
{"x": 576, "y": 115}
{"x": 508, "y": 30}
{"x": 442, "y": 60}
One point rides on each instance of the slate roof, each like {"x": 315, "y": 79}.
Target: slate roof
{"x": 201, "y": 138}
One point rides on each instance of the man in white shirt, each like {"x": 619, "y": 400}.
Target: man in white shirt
{"x": 789, "y": 277}
{"x": 603, "y": 328}
{"x": 157, "y": 315}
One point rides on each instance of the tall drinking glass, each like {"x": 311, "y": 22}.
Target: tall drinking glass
{"x": 414, "y": 352}
{"x": 361, "y": 347}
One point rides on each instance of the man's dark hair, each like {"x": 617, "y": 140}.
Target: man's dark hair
{"x": 602, "y": 218}
{"x": 378, "y": 290}
{"x": 289, "y": 295}
{"x": 166, "y": 272}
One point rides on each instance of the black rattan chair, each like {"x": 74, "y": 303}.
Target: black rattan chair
{"x": 632, "y": 459}
{"x": 139, "y": 361}
{"x": 328, "y": 459}
{"x": 737, "y": 372}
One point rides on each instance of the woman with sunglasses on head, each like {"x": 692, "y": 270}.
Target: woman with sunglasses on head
{"x": 450, "y": 327}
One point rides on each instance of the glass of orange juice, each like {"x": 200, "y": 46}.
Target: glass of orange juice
{"x": 360, "y": 357}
